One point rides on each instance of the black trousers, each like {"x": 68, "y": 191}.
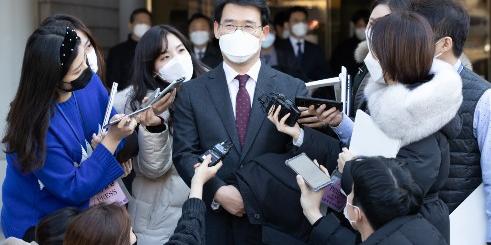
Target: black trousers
{"x": 223, "y": 228}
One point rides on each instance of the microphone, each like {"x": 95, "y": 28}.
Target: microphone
{"x": 267, "y": 100}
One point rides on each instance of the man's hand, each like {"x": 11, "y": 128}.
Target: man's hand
{"x": 320, "y": 117}
{"x": 344, "y": 156}
{"x": 230, "y": 199}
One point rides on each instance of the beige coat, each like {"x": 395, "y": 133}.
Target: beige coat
{"x": 158, "y": 190}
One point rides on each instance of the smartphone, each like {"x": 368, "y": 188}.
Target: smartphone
{"x": 316, "y": 102}
{"x": 151, "y": 98}
{"x": 114, "y": 122}
{"x": 218, "y": 152}
{"x": 311, "y": 173}
{"x": 170, "y": 87}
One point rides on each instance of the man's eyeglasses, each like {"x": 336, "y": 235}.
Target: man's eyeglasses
{"x": 251, "y": 29}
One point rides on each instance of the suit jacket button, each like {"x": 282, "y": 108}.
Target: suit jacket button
{"x": 257, "y": 216}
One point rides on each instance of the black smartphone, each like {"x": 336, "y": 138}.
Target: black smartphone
{"x": 310, "y": 172}
{"x": 316, "y": 102}
{"x": 218, "y": 152}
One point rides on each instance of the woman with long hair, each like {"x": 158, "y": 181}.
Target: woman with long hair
{"x": 58, "y": 106}
{"x": 162, "y": 55}
{"x": 414, "y": 98}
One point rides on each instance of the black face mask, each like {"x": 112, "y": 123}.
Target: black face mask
{"x": 81, "y": 82}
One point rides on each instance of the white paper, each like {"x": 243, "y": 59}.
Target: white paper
{"x": 468, "y": 220}
{"x": 368, "y": 140}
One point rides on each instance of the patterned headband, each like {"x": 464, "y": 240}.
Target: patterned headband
{"x": 68, "y": 46}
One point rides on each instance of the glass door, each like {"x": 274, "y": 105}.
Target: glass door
{"x": 477, "y": 47}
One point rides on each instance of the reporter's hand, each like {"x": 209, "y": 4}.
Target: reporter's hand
{"x": 343, "y": 157}
{"x": 164, "y": 103}
{"x": 97, "y": 139}
{"x": 123, "y": 129}
{"x": 128, "y": 167}
{"x": 309, "y": 118}
{"x": 230, "y": 199}
{"x": 202, "y": 173}
{"x": 320, "y": 117}
{"x": 280, "y": 125}
{"x": 148, "y": 117}
{"x": 311, "y": 200}
{"x": 118, "y": 132}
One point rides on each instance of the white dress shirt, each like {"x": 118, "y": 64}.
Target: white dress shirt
{"x": 233, "y": 89}
{"x": 233, "y": 83}
{"x": 198, "y": 50}
{"x": 457, "y": 65}
{"x": 294, "y": 42}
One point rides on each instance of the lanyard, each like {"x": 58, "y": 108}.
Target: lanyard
{"x": 80, "y": 139}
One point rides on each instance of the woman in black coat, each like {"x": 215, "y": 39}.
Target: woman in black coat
{"x": 383, "y": 206}
{"x": 409, "y": 105}
{"x": 415, "y": 100}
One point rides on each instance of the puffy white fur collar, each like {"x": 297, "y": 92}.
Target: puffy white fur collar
{"x": 411, "y": 115}
{"x": 361, "y": 52}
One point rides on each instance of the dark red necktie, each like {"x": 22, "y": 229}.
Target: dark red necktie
{"x": 242, "y": 108}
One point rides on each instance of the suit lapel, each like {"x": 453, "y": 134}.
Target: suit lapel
{"x": 264, "y": 85}
{"x": 218, "y": 91}
{"x": 289, "y": 47}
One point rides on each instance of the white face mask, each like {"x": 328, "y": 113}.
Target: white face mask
{"x": 239, "y": 46}
{"x": 92, "y": 60}
{"x": 346, "y": 214}
{"x": 179, "y": 66}
{"x": 199, "y": 38}
{"x": 439, "y": 54}
{"x": 360, "y": 33}
{"x": 285, "y": 34}
{"x": 372, "y": 64}
{"x": 373, "y": 67}
{"x": 368, "y": 32}
{"x": 268, "y": 41}
{"x": 300, "y": 29}
{"x": 140, "y": 29}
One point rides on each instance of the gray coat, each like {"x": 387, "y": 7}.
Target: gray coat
{"x": 158, "y": 191}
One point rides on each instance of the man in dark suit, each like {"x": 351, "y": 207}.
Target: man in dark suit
{"x": 223, "y": 105}
{"x": 309, "y": 57}
{"x": 199, "y": 27}
{"x": 120, "y": 58}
